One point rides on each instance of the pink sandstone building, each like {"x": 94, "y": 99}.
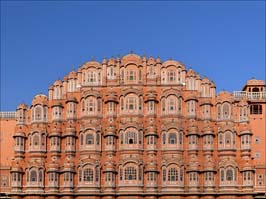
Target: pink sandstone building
{"x": 140, "y": 128}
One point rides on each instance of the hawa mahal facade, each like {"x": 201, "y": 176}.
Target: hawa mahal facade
{"x": 139, "y": 128}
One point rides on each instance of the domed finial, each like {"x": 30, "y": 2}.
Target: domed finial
{"x": 158, "y": 60}
{"x": 144, "y": 58}
{"x": 131, "y": 51}
{"x": 92, "y": 58}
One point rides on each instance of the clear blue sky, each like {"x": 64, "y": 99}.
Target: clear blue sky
{"x": 44, "y": 41}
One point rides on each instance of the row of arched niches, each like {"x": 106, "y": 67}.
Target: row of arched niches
{"x": 132, "y": 121}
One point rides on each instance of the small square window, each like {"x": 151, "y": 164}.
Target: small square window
{"x": 260, "y": 176}
{"x": 257, "y": 155}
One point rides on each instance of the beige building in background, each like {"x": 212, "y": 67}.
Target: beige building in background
{"x": 140, "y": 128}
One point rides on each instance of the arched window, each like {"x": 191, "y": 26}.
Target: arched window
{"x": 163, "y": 79}
{"x": 172, "y": 105}
{"x": 81, "y": 139}
{"x": 91, "y": 105}
{"x": 179, "y": 104}
{"x": 163, "y": 105}
{"x": 226, "y": 111}
{"x": 38, "y": 113}
{"x": 71, "y": 85}
{"x": 121, "y": 138}
{"x": 131, "y": 75}
{"x": 180, "y": 138}
{"x": 164, "y": 138}
{"x": 80, "y": 175}
{"x": 57, "y": 92}
{"x": 191, "y": 107}
{"x": 245, "y": 112}
{"x": 89, "y": 139}
{"x": 164, "y": 174}
{"x": 131, "y": 102}
{"x": 151, "y": 106}
{"x": 33, "y": 176}
{"x": 131, "y": 137}
{"x": 88, "y": 175}
{"x": 122, "y": 103}
{"x": 140, "y": 103}
{"x": 122, "y": 74}
{"x": 120, "y": 173}
{"x": 83, "y": 77}
{"x": 92, "y": 78}
{"x": 14, "y": 176}
{"x": 130, "y": 173}
{"x": 181, "y": 173}
{"x": 20, "y": 115}
{"x": 43, "y": 139}
{"x": 229, "y": 175}
{"x": 71, "y": 109}
{"x": 111, "y": 72}
{"x": 179, "y": 75}
{"x": 36, "y": 139}
{"x": 97, "y": 174}
{"x": 191, "y": 83}
{"x": 219, "y": 111}
{"x": 140, "y": 173}
{"x": 99, "y": 105}
{"x": 40, "y": 175}
{"x": 98, "y": 138}
{"x": 228, "y": 138}
{"x": 83, "y": 105}
{"x": 45, "y": 113}
{"x": 171, "y": 76}
{"x": 222, "y": 175}
{"x": 140, "y": 137}
{"x": 57, "y": 112}
{"x": 172, "y": 138}
{"x": 220, "y": 138}
{"x": 172, "y": 174}
{"x": 140, "y": 74}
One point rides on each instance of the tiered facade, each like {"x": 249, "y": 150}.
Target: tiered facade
{"x": 134, "y": 127}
